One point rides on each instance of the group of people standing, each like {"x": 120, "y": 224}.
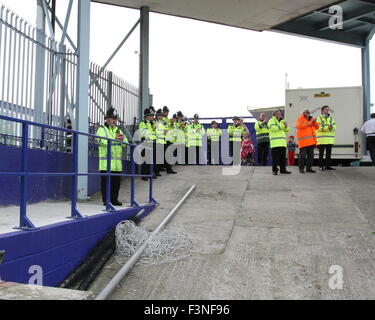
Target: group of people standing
{"x": 311, "y": 132}
{"x": 158, "y": 131}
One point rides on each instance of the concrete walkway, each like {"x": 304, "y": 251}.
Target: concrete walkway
{"x": 259, "y": 236}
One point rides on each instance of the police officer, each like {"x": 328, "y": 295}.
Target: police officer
{"x": 278, "y": 128}
{"x": 325, "y": 136}
{"x": 161, "y": 129}
{"x": 263, "y": 139}
{"x": 111, "y": 131}
{"x": 180, "y": 138}
{"x": 235, "y": 132}
{"x": 213, "y": 143}
{"x": 148, "y": 135}
{"x": 166, "y": 119}
{"x": 195, "y": 132}
{"x": 183, "y": 125}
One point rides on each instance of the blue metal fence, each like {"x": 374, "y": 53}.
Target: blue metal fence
{"x": 24, "y": 173}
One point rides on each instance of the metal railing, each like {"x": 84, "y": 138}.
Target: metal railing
{"x": 37, "y": 75}
{"x": 107, "y": 90}
{"x": 24, "y": 173}
{"x": 38, "y": 79}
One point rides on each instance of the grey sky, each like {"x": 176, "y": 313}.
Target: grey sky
{"x": 210, "y": 69}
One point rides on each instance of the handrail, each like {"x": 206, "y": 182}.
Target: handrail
{"x": 41, "y": 125}
{"x": 25, "y": 223}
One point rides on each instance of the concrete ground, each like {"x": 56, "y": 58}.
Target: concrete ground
{"x": 50, "y": 212}
{"x": 259, "y": 236}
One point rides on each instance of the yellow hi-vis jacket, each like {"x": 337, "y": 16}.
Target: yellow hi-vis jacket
{"x": 235, "y": 132}
{"x": 195, "y": 133}
{"x": 116, "y": 148}
{"x": 214, "y": 134}
{"x": 160, "y": 131}
{"x": 277, "y": 132}
{"x": 147, "y": 130}
{"x": 262, "y": 132}
{"x": 170, "y": 135}
{"x": 323, "y": 134}
{"x": 179, "y": 134}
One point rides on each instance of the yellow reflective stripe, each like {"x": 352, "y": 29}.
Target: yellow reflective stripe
{"x": 278, "y": 138}
{"x": 306, "y": 138}
{"x": 112, "y": 158}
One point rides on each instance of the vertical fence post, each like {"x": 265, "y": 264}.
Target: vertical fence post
{"x": 25, "y": 223}
{"x": 152, "y": 164}
{"x": 109, "y": 90}
{"x": 42, "y": 138}
{"x": 74, "y": 212}
{"x": 133, "y": 203}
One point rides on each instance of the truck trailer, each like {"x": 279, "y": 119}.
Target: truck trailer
{"x": 346, "y": 108}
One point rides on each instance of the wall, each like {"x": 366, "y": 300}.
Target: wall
{"x": 58, "y": 249}
{"x": 41, "y": 188}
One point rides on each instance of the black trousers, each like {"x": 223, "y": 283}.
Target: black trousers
{"x": 327, "y": 148}
{"x": 195, "y": 155}
{"x": 278, "y": 158}
{"x": 306, "y": 157}
{"x": 145, "y": 167}
{"x": 371, "y": 147}
{"x": 180, "y": 153}
{"x": 115, "y": 186}
{"x": 161, "y": 159}
{"x": 213, "y": 152}
{"x": 235, "y": 146}
{"x": 263, "y": 153}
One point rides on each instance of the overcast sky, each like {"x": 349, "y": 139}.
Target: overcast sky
{"x": 209, "y": 69}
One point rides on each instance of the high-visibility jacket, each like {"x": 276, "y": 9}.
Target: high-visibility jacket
{"x": 262, "y": 132}
{"x": 195, "y": 132}
{"x": 306, "y": 132}
{"x": 147, "y": 130}
{"x": 214, "y": 134}
{"x": 160, "y": 131}
{"x": 170, "y": 135}
{"x": 324, "y": 135}
{"x": 235, "y": 132}
{"x": 116, "y": 148}
{"x": 167, "y": 121}
{"x": 180, "y": 135}
{"x": 277, "y": 132}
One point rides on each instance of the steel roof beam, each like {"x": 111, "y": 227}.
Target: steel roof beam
{"x": 360, "y": 13}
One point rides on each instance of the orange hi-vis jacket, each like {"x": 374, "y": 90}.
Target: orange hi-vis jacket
{"x": 306, "y": 132}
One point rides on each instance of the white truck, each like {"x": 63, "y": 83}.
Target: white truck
{"x": 346, "y": 108}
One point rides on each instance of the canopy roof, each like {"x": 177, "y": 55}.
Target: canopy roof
{"x": 358, "y": 23}
{"x": 256, "y": 15}
{"x": 302, "y": 17}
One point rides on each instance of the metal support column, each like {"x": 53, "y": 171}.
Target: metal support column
{"x": 144, "y": 101}
{"x": 82, "y": 116}
{"x": 39, "y": 70}
{"x": 366, "y": 75}
{"x": 53, "y": 14}
{"x": 366, "y": 82}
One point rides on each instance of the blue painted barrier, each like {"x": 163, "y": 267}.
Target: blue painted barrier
{"x": 24, "y": 172}
{"x": 59, "y": 248}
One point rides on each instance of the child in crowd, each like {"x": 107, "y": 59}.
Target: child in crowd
{"x": 247, "y": 149}
{"x": 291, "y": 150}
